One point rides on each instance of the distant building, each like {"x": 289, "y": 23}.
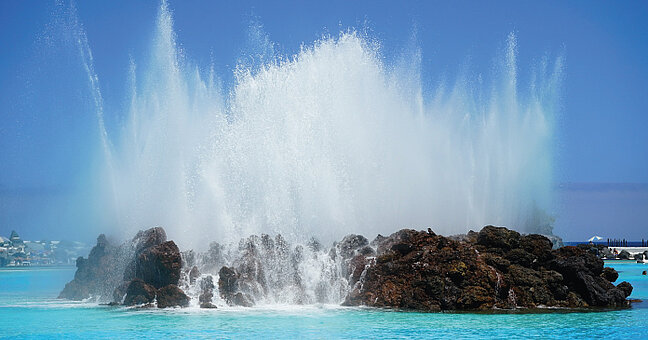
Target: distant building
{"x": 5, "y": 242}
{"x": 15, "y": 251}
{"x": 15, "y": 239}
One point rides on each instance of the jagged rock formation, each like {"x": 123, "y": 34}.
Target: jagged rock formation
{"x": 139, "y": 272}
{"x": 624, "y": 255}
{"x": 159, "y": 265}
{"x": 139, "y": 292}
{"x": 194, "y": 273}
{"x": 230, "y": 288}
{"x": 500, "y": 268}
{"x": 171, "y": 296}
{"x": 99, "y": 274}
{"x": 416, "y": 270}
{"x": 272, "y": 270}
{"x": 156, "y": 264}
{"x": 206, "y": 292}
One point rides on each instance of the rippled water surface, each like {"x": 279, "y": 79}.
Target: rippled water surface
{"x": 28, "y": 309}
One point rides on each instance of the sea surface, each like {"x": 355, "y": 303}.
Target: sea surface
{"x": 29, "y": 309}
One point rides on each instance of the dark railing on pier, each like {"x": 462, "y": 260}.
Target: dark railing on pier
{"x": 615, "y": 242}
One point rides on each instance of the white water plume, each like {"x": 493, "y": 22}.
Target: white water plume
{"x": 328, "y": 142}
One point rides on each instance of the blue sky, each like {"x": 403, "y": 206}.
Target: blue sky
{"x": 602, "y": 134}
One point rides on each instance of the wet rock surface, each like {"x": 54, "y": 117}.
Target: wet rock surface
{"x": 159, "y": 265}
{"x": 499, "y": 268}
{"x": 171, "y": 296}
{"x": 194, "y": 273}
{"x": 206, "y": 292}
{"x": 230, "y": 288}
{"x": 139, "y": 293}
{"x": 410, "y": 270}
{"x": 97, "y": 275}
{"x": 270, "y": 270}
{"x": 138, "y": 272}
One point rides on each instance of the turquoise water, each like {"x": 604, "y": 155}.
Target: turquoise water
{"x": 28, "y": 309}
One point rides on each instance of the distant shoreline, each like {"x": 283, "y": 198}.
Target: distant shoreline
{"x": 61, "y": 266}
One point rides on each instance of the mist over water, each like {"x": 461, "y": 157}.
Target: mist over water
{"x": 326, "y": 142}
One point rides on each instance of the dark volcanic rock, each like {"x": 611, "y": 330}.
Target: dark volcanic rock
{"x": 194, "y": 273}
{"x": 242, "y": 299}
{"x": 227, "y": 282}
{"x": 135, "y": 273}
{"x": 413, "y": 270}
{"x": 496, "y": 261}
{"x": 214, "y": 258}
{"x": 573, "y": 260}
{"x": 149, "y": 238}
{"x": 625, "y": 287}
{"x": 171, "y": 296}
{"x": 139, "y": 293}
{"x": 350, "y": 245}
{"x": 521, "y": 257}
{"x": 624, "y": 255}
{"x": 399, "y": 241}
{"x": 357, "y": 266}
{"x": 610, "y": 274}
{"x": 156, "y": 272}
{"x": 584, "y": 275}
{"x": 143, "y": 240}
{"x": 206, "y": 292}
{"x": 230, "y": 290}
{"x": 159, "y": 265}
{"x": 75, "y": 290}
{"x": 470, "y": 237}
{"x": 498, "y": 238}
{"x": 423, "y": 271}
{"x": 97, "y": 275}
{"x": 120, "y": 292}
{"x": 538, "y": 245}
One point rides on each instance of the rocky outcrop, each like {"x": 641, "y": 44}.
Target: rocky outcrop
{"x": 194, "y": 273}
{"x": 411, "y": 270}
{"x": 584, "y": 275}
{"x": 139, "y": 293}
{"x": 159, "y": 265}
{"x": 499, "y": 268}
{"x": 624, "y": 255}
{"x": 352, "y": 245}
{"x": 138, "y": 272}
{"x": 230, "y": 288}
{"x": 171, "y": 296}
{"x": 266, "y": 268}
{"x": 610, "y": 274}
{"x": 422, "y": 271}
{"x": 206, "y": 292}
{"x": 97, "y": 275}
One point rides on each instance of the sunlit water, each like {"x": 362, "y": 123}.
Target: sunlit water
{"x": 28, "y": 309}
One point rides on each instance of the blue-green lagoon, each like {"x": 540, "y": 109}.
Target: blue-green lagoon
{"x": 341, "y": 132}
{"x": 29, "y": 309}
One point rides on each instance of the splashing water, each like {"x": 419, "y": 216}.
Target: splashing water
{"x": 324, "y": 143}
